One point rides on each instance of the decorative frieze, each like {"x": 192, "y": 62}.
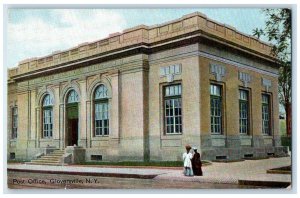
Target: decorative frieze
{"x": 245, "y": 78}
{"x": 218, "y": 70}
{"x": 169, "y": 71}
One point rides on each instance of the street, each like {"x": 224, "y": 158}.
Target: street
{"x": 21, "y": 180}
{"x": 216, "y": 176}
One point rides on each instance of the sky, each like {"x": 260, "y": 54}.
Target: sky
{"x": 39, "y": 32}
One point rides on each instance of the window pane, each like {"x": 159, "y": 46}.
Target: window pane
{"x": 173, "y": 90}
{"x": 177, "y": 129}
{"x": 14, "y": 122}
{"x": 167, "y": 91}
{"x": 47, "y": 122}
{"x": 243, "y": 117}
{"x": 266, "y": 114}
{"x": 177, "y": 111}
{"x": 177, "y": 120}
{"x": 215, "y": 90}
{"x": 173, "y": 109}
{"x": 101, "y": 118}
{"x": 216, "y": 109}
{"x": 47, "y": 101}
{"x": 101, "y": 92}
{"x": 218, "y": 90}
{"x": 243, "y": 94}
{"x": 72, "y": 97}
{"x": 105, "y": 131}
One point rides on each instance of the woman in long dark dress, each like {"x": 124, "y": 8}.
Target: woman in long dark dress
{"x": 196, "y": 163}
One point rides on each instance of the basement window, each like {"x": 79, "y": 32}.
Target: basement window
{"x": 96, "y": 157}
{"x": 248, "y": 155}
{"x": 12, "y": 156}
{"x": 221, "y": 157}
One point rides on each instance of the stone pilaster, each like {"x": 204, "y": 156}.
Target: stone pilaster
{"x": 115, "y": 106}
{"x": 82, "y": 136}
{"x": 38, "y": 126}
{"x": 56, "y": 115}
{"x": 62, "y": 125}
{"x": 88, "y": 124}
{"x": 23, "y": 126}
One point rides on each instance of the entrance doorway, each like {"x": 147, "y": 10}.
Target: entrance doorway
{"x": 72, "y": 125}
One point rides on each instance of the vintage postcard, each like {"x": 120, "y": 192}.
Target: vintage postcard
{"x": 149, "y": 98}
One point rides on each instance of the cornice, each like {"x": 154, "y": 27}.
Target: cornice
{"x": 140, "y": 38}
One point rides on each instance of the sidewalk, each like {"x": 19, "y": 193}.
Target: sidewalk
{"x": 230, "y": 173}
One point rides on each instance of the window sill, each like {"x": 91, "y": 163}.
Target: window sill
{"x": 172, "y": 136}
{"x": 46, "y": 139}
{"x": 13, "y": 140}
{"x": 106, "y": 137}
{"x": 215, "y": 135}
{"x": 245, "y": 136}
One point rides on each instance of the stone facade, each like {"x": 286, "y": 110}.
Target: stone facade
{"x": 131, "y": 65}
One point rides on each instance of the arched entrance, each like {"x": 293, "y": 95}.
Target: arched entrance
{"x": 71, "y": 137}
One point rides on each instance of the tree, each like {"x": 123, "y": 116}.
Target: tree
{"x": 278, "y": 29}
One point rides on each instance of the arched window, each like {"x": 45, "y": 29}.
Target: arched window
{"x": 72, "y": 97}
{"x": 47, "y": 116}
{"x": 101, "y": 111}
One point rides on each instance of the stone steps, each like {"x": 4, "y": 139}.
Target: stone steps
{"x": 46, "y": 160}
{"x": 51, "y": 156}
{"x": 50, "y": 159}
{"x": 55, "y": 155}
{"x": 43, "y": 163}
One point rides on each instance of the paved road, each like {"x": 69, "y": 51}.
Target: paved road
{"x": 217, "y": 175}
{"x": 20, "y": 180}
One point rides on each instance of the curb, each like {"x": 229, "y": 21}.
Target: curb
{"x": 120, "y": 175}
{"x": 278, "y": 172}
{"x": 272, "y": 184}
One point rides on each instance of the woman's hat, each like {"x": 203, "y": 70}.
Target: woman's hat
{"x": 194, "y": 148}
{"x": 188, "y": 147}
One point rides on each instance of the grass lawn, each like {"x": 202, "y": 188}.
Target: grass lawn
{"x": 17, "y": 161}
{"x": 282, "y": 127}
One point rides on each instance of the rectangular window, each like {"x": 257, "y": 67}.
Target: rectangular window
{"x": 266, "y": 121}
{"x": 244, "y": 111}
{"x": 47, "y": 122}
{"x": 101, "y": 119}
{"x": 14, "y": 122}
{"x": 216, "y": 109}
{"x": 172, "y": 104}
